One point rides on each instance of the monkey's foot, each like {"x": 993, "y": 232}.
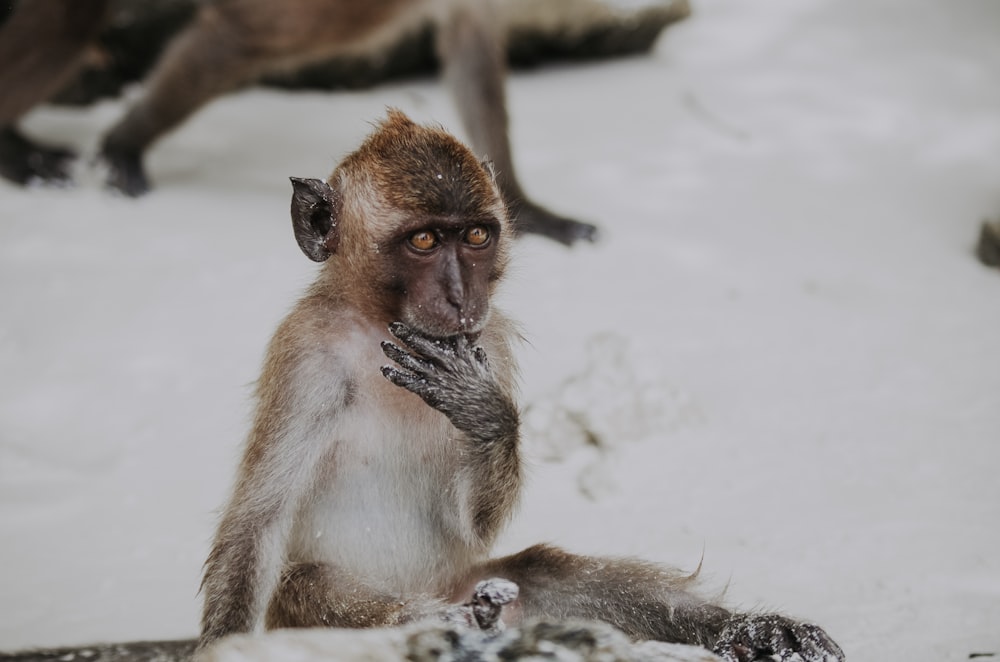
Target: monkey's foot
{"x": 533, "y": 218}
{"x": 988, "y": 248}
{"x": 483, "y": 610}
{"x": 746, "y": 638}
{"x": 23, "y": 161}
{"x": 126, "y": 173}
{"x": 488, "y": 599}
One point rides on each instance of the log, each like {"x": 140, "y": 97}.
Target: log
{"x": 569, "y": 641}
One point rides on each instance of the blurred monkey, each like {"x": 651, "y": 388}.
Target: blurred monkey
{"x": 233, "y": 42}
{"x": 42, "y": 44}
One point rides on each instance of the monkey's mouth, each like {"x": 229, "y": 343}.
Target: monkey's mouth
{"x": 452, "y": 340}
{"x": 469, "y": 327}
{"x": 457, "y": 326}
{"x": 437, "y": 320}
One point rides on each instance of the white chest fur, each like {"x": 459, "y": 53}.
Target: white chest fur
{"x": 388, "y": 495}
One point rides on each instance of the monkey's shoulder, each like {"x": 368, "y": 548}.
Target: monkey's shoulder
{"x": 322, "y": 324}
{"x": 319, "y": 343}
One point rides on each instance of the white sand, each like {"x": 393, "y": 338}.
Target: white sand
{"x": 789, "y": 193}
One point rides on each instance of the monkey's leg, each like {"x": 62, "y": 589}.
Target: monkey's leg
{"x": 472, "y": 53}
{"x": 23, "y": 160}
{"x": 318, "y": 594}
{"x": 321, "y": 595}
{"x": 41, "y": 47}
{"x": 212, "y": 56}
{"x": 231, "y": 43}
{"x": 647, "y": 601}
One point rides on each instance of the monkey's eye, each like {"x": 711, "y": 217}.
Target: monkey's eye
{"x": 424, "y": 240}
{"x": 477, "y": 235}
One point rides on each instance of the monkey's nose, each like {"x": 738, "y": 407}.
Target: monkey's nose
{"x": 455, "y": 295}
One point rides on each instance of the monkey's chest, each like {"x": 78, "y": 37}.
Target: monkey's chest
{"x": 387, "y": 507}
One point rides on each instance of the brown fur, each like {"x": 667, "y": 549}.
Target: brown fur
{"x": 390, "y": 186}
{"x": 317, "y": 595}
{"x": 233, "y": 42}
{"x": 30, "y": 74}
{"x": 321, "y": 381}
{"x": 368, "y": 501}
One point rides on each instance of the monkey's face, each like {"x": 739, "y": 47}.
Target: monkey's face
{"x": 416, "y": 228}
{"x": 442, "y": 273}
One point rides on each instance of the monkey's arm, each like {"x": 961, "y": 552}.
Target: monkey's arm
{"x": 454, "y": 377}
{"x": 41, "y": 46}
{"x": 283, "y": 453}
{"x": 210, "y": 57}
{"x": 247, "y": 556}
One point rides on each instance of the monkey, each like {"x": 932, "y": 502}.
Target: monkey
{"x": 384, "y": 454}
{"x": 30, "y": 73}
{"x": 233, "y": 42}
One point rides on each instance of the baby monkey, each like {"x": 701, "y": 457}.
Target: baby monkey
{"x": 371, "y": 494}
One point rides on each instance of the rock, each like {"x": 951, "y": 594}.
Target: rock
{"x": 566, "y": 642}
{"x": 570, "y": 641}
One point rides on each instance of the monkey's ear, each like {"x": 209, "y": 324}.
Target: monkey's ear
{"x": 316, "y": 210}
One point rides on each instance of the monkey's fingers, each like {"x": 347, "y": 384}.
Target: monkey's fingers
{"x": 405, "y": 359}
{"x": 401, "y": 378}
{"x": 816, "y": 644}
{"x": 496, "y": 591}
{"x": 400, "y": 330}
{"x": 415, "y": 384}
{"x": 429, "y": 348}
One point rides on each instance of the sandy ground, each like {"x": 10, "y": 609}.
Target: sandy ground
{"x": 782, "y": 341}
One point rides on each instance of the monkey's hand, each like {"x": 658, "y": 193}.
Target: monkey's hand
{"x": 125, "y": 172}
{"x": 748, "y": 637}
{"x": 483, "y": 611}
{"x": 454, "y": 377}
{"x": 24, "y": 161}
